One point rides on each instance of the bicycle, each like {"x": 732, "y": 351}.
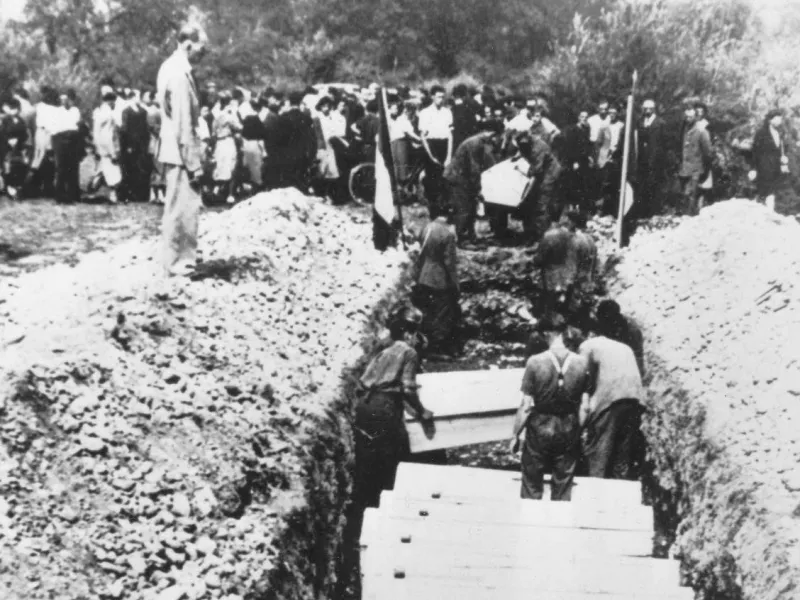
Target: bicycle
{"x": 361, "y": 184}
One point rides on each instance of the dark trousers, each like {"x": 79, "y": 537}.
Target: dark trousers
{"x": 551, "y": 443}
{"x": 462, "y": 198}
{"x": 66, "y": 158}
{"x": 440, "y": 315}
{"x": 136, "y": 172}
{"x": 614, "y": 444}
{"x": 693, "y": 196}
{"x": 537, "y": 212}
{"x": 381, "y": 443}
{"x": 434, "y": 179}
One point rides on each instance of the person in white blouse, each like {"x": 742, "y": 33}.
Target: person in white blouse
{"x": 67, "y": 154}
{"x": 436, "y": 131}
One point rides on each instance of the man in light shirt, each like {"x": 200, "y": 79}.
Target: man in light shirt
{"x": 181, "y": 150}
{"x": 66, "y": 150}
{"x": 436, "y": 130}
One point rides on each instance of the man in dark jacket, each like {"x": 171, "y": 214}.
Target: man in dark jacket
{"x": 296, "y": 145}
{"x": 696, "y": 157}
{"x": 577, "y": 152}
{"x": 437, "y": 290}
{"x": 465, "y": 121}
{"x": 271, "y": 121}
{"x": 134, "y": 138}
{"x": 463, "y": 178}
{"x": 650, "y": 167}
{"x": 543, "y": 204}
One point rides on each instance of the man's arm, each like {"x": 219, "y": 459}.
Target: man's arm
{"x": 523, "y": 413}
{"x": 183, "y": 117}
{"x": 410, "y": 386}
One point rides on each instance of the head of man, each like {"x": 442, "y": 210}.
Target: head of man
{"x": 536, "y": 115}
{"x": 774, "y": 118}
{"x": 613, "y": 114}
{"x": 11, "y": 106}
{"x": 69, "y": 98}
{"x": 573, "y": 220}
{"x": 437, "y": 95}
{"x": 395, "y": 108}
{"x": 192, "y": 39}
{"x": 552, "y": 327}
{"x": 649, "y": 107}
{"x": 583, "y": 118}
{"x": 602, "y": 108}
{"x": 608, "y": 316}
{"x": 459, "y": 93}
{"x": 296, "y": 99}
{"x": 689, "y": 112}
{"x": 701, "y": 109}
{"x": 325, "y": 105}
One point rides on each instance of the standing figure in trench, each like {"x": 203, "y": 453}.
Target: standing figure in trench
{"x": 612, "y": 446}
{"x": 462, "y": 177}
{"x": 554, "y": 390}
{"x": 437, "y": 291}
{"x": 390, "y": 383}
{"x": 542, "y": 205}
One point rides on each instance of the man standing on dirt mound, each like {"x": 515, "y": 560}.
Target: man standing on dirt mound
{"x": 181, "y": 150}
{"x": 613, "y": 441}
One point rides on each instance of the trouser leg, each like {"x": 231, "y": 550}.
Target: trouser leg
{"x": 180, "y": 220}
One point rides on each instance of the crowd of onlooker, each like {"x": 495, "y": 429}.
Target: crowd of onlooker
{"x": 313, "y": 139}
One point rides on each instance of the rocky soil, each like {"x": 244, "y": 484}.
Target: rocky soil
{"x": 719, "y": 301}
{"x": 168, "y": 440}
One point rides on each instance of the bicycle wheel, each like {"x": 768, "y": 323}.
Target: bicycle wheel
{"x": 361, "y": 184}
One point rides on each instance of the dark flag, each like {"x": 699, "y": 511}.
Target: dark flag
{"x": 385, "y": 216}
{"x": 626, "y": 192}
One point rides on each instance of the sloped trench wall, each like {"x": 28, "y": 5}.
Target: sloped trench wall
{"x": 717, "y": 302}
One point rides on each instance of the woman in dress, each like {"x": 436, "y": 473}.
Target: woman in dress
{"x": 226, "y": 126}
{"x": 326, "y": 128}
{"x": 390, "y": 382}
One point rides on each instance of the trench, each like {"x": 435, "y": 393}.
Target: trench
{"x": 495, "y": 283}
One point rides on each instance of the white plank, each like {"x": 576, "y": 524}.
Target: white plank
{"x": 422, "y": 480}
{"x": 454, "y": 431}
{"x": 384, "y": 588}
{"x": 532, "y": 540}
{"x": 524, "y": 512}
{"x": 551, "y": 576}
{"x": 470, "y": 392}
{"x": 503, "y": 554}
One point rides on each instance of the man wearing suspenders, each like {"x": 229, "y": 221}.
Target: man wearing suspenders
{"x": 554, "y": 395}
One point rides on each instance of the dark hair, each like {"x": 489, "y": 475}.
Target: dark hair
{"x": 493, "y": 126}
{"x": 50, "y": 95}
{"x": 224, "y": 98}
{"x": 12, "y": 103}
{"x": 22, "y": 93}
{"x": 237, "y": 95}
{"x": 577, "y": 219}
{"x": 551, "y": 323}
{"x": 400, "y": 326}
{"x": 775, "y": 112}
{"x": 372, "y": 106}
{"x": 437, "y": 89}
{"x": 324, "y": 101}
{"x": 296, "y": 98}
{"x": 460, "y": 91}
{"x": 269, "y": 92}
{"x": 608, "y": 309}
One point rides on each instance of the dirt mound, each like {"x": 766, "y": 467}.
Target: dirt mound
{"x": 155, "y": 436}
{"x": 719, "y": 299}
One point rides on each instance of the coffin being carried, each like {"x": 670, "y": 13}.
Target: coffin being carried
{"x": 507, "y": 183}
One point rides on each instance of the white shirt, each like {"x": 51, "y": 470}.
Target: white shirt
{"x": 401, "y": 128}
{"x": 596, "y": 123}
{"x": 333, "y": 125}
{"x": 436, "y": 123}
{"x": 520, "y": 123}
{"x": 49, "y": 118}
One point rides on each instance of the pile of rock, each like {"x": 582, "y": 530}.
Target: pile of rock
{"x": 154, "y": 434}
{"x": 719, "y": 300}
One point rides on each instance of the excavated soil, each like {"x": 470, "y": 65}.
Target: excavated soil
{"x": 188, "y": 439}
{"x": 719, "y": 301}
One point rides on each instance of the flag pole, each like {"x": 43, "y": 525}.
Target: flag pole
{"x": 395, "y": 194}
{"x": 625, "y": 154}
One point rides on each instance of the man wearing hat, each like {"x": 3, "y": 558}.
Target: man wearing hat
{"x": 181, "y": 150}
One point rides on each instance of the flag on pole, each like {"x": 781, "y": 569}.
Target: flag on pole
{"x": 386, "y": 217}
{"x": 626, "y": 192}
